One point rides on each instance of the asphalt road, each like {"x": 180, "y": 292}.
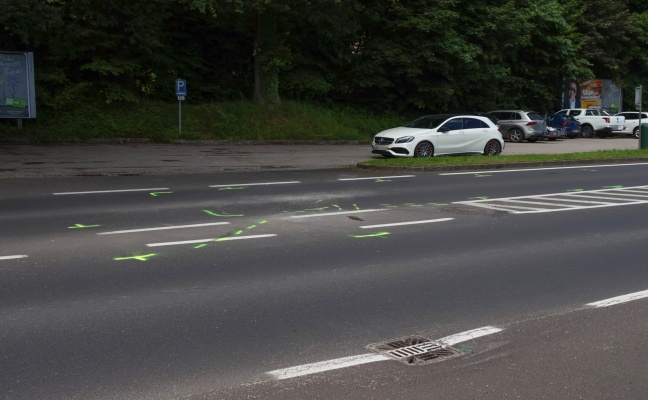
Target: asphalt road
{"x": 313, "y": 266}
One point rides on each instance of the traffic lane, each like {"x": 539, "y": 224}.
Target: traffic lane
{"x": 441, "y": 290}
{"x": 591, "y": 353}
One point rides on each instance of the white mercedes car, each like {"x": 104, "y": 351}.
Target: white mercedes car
{"x": 436, "y": 135}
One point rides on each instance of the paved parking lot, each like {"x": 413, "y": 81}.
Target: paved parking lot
{"x": 147, "y": 158}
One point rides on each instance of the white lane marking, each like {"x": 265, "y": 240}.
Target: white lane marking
{"x": 254, "y": 184}
{"x": 587, "y": 195}
{"x": 12, "y": 257}
{"x": 210, "y": 240}
{"x": 377, "y": 177}
{"x": 407, "y": 223}
{"x": 539, "y": 203}
{"x": 163, "y": 228}
{"x": 318, "y": 367}
{"x": 576, "y": 201}
{"x": 469, "y": 335}
{"x": 336, "y": 213}
{"x": 112, "y": 191}
{"x": 540, "y": 169}
{"x": 314, "y": 368}
{"x": 619, "y": 299}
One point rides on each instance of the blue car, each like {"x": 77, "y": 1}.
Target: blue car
{"x": 569, "y": 123}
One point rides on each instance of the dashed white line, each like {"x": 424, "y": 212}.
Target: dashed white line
{"x": 337, "y": 213}
{"x": 223, "y": 239}
{"x": 540, "y": 169}
{"x": 407, "y": 223}
{"x": 314, "y": 368}
{"x": 12, "y": 257}
{"x": 376, "y": 177}
{"x": 162, "y": 228}
{"x": 113, "y": 191}
{"x": 619, "y": 299}
{"x": 255, "y": 184}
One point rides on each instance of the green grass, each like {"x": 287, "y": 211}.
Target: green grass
{"x": 508, "y": 159}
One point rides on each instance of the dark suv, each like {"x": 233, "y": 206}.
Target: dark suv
{"x": 518, "y": 125}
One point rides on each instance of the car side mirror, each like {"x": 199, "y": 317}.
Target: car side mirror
{"x": 444, "y": 129}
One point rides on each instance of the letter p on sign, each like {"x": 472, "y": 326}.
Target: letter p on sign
{"x": 181, "y": 87}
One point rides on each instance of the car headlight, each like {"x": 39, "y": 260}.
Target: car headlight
{"x": 404, "y": 139}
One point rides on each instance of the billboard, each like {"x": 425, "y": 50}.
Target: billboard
{"x": 17, "y": 92}
{"x": 593, "y": 93}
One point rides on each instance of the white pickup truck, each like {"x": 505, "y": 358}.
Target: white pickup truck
{"x": 593, "y": 121}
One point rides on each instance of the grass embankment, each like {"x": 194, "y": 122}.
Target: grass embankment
{"x": 237, "y": 121}
{"x": 510, "y": 159}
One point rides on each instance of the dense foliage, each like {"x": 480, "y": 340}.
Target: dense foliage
{"x": 401, "y": 55}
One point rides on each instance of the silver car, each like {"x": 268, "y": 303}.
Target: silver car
{"x": 519, "y": 125}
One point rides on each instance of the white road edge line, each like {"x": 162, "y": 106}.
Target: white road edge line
{"x": 112, "y": 191}
{"x": 406, "y": 223}
{"x": 255, "y": 184}
{"x": 376, "y": 177}
{"x": 619, "y": 299}
{"x": 336, "y": 213}
{"x": 540, "y": 169}
{"x": 12, "y": 257}
{"x": 163, "y": 228}
{"x": 314, "y": 368}
{"x": 223, "y": 239}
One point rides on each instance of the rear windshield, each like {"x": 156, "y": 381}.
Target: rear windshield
{"x": 427, "y": 122}
{"x": 534, "y": 116}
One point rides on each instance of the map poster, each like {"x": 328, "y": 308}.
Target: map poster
{"x": 17, "y": 92}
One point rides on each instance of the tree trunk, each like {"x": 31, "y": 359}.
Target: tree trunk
{"x": 266, "y": 72}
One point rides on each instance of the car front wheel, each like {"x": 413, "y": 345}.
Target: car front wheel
{"x": 493, "y": 148}
{"x": 516, "y": 135}
{"x": 424, "y": 149}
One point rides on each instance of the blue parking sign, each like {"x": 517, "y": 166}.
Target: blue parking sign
{"x": 181, "y": 87}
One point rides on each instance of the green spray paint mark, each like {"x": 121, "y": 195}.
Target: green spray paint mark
{"x": 480, "y": 198}
{"x": 388, "y": 206}
{"x": 382, "y": 180}
{"x": 380, "y": 235}
{"x": 317, "y": 209}
{"x": 232, "y": 188}
{"x": 262, "y": 222}
{"x": 338, "y": 207}
{"x": 356, "y": 206}
{"x": 79, "y": 226}
{"x": 140, "y": 258}
{"x": 413, "y": 204}
{"x": 155, "y": 194}
{"x": 250, "y": 227}
{"x": 237, "y": 232}
{"x": 613, "y": 187}
{"x": 200, "y": 246}
{"x": 222, "y": 215}
{"x": 438, "y": 204}
{"x": 575, "y": 190}
{"x": 481, "y": 175}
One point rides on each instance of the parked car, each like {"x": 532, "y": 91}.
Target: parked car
{"x": 632, "y": 122}
{"x": 519, "y": 125}
{"x": 554, "y": 133}
{"x": 569, "y": 123}
{"x": 440, "y": 134}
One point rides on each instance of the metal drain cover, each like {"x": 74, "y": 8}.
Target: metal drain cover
{"x": 415, "y": 350}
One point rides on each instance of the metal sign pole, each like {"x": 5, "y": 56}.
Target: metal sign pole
{"x": 638, "y": 102}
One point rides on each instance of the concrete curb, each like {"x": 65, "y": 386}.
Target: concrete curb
{"x": 521, "y": 165}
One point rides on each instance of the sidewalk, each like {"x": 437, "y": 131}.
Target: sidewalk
{"x": 155, "y": 159}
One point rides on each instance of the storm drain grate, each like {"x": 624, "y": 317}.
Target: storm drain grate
{"x": 415, "y": 350}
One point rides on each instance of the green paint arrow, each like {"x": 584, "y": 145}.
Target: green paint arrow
{"x": 381, "y": 235}
{"x": 155, "y": 194}
{"x": 78, "y": 226}
{"x": 140, "y": 258}
{"x": 613, "y": 187}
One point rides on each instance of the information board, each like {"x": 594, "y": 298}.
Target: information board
{"x": 17, "y": 92}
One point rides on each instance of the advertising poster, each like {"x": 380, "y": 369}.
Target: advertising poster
{"x": 594, "y": 93}
{"x": 17, "y": 93}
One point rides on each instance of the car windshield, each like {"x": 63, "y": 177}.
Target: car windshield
{"x": 427, "y": 122}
